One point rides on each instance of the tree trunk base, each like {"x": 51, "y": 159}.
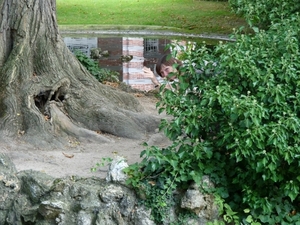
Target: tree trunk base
{"x": 38, "y": 73}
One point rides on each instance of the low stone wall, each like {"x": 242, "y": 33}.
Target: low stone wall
{"x": 32, "y": 197}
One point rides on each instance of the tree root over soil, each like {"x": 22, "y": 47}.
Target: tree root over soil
{"x": 61, "y": 122}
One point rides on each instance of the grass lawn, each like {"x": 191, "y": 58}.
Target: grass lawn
{"x": 189, "y": 16}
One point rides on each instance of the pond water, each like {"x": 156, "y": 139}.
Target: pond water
{"x": 144, "y": 51}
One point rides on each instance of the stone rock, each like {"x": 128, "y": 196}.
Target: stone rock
{"x": 115, "y": 171}
{"x": 200, "y": 203}
{"x": 193, "y": 200}
{"x": 32, "y": 197}
{"x": 112, "y": 193}
{"x": 84, "y": 218}
{"x": 142, "y": 216}
{"x": 126, "y": 58}
{"x": 35, "y": 184}
{"x": 9, "y": 187}
{"x": 51, "y": 210}
{"x": 97, "y": 53}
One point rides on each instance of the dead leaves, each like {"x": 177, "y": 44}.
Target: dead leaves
{"x": 112, "y": 84}
{"x": 139, "y": 95}
{"x": 68, "y": 155}
{"x": 21, "y": 132}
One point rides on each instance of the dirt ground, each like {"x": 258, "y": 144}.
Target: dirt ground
{"x": 79, "y": 158}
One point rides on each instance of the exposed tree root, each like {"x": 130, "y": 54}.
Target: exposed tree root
{"x": 61, "y": 122}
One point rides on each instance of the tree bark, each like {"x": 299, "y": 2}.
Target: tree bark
{"x": 46, "y": 95}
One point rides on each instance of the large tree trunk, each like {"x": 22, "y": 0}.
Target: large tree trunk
{"x": 46, "y": 95}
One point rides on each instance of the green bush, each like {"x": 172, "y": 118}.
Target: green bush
{"x": 92, "y": 66}
{"x": 236, "y": 118}
{"x": 263, "y": 12}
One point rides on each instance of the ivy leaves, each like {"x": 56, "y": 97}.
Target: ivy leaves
{"x": 235, "y": 118}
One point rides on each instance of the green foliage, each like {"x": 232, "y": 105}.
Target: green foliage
{"x": 92, "y": 66}
{"x": 156, "y": 188}
{"x": 229, "y": 216}
{"x": 153, "y": 183}
{"x": 255, "y": 104}
{"x": 159, "y": 199}
{"x": 263, "y": 12}
{"x": 104, "y": 162}
{"x": 236, "y": 119}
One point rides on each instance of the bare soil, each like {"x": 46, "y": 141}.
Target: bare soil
{"x": 77, "y": 159}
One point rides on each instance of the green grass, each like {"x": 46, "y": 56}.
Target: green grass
{"x": 189, "y": 16}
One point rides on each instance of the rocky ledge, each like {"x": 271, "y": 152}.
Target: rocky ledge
{"x": 32, "y": 197}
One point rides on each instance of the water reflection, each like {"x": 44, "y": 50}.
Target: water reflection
{"x": 145, "y": 52}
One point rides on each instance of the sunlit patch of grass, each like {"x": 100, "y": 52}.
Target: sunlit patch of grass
{"x": 186, "y": 15}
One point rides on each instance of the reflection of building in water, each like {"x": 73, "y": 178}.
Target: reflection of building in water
{"x": 151, "y": 45}
{"x": 132, "y": 70}
{"x": 145, "y": 52}
{"x": 83, "y": 44}
{"x": 114, "y": 47}
{"x": 153, "y": 50}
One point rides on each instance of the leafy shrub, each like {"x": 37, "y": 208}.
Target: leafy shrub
{"x": 263, "y": 12}
{"x": 236, "y": 118}
{"x": 92, "y": 66}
